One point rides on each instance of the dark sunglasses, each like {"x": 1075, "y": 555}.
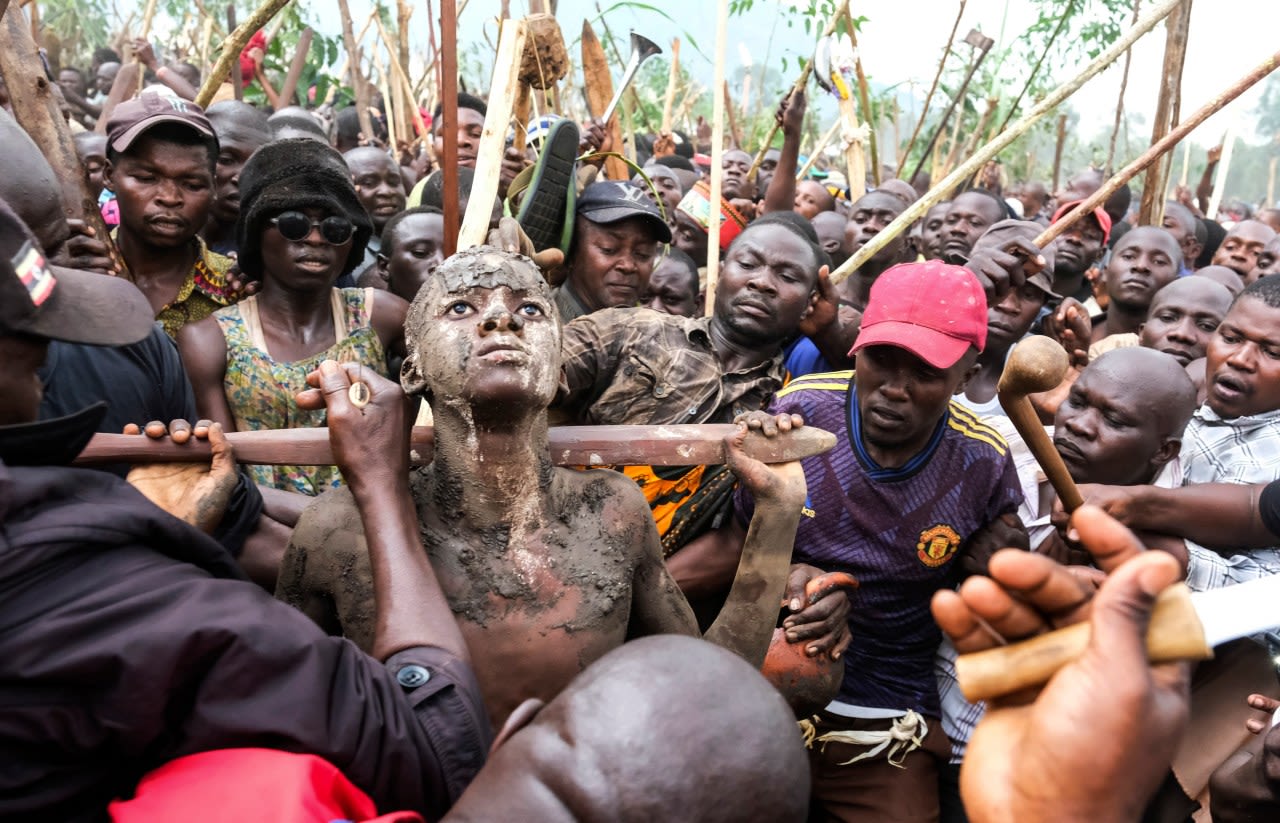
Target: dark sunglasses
{"x": 296, "y": 226}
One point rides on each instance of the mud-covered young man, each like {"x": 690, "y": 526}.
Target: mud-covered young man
{"x": 546, "y": 569}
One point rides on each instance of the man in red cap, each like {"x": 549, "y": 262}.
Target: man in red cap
{"x": 914, "y": 495}
{"x": 1077, "y": 250}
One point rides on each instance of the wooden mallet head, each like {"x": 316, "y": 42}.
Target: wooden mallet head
{"x": 1037, "y": 364}
{"x": 545, "y": 60}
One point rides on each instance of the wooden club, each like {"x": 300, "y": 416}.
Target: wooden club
{"x": 1037, "y": 364}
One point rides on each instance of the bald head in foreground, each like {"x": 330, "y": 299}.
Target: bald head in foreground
{"x": 630, "y": 739}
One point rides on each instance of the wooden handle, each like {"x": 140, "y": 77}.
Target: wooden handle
{"x": 687, "y": 445}
{"x": 1175, "y": 633}
{"x": 1037, "y": 364}
{"x": 1024, "y": 419}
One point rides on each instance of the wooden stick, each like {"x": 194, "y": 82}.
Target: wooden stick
{"x": 1064, "y": 15}
{"x": 827, "y": 30}
{"x": 148, "y": 14}
{"x": 403, "y": 78}
{"x": 1186, "y": 164}
{"x": 1166, "y": 143}
{"x": 502, "y": 99}
{"x": 855, "y": 159}
{"x": 1174, "y": 633}
{"x": 1124, "y": 85}
{"x": 1060, "y": 141}
{"x": 39, "y": 114}
{"x": 966, "y": 170}
{"x": 1036, "y": 365}
{"x": 234, "y": 44}
{"x": 1151, "y": 210}
{"x": 597, "y": 85}
{"x": 818, "y": 147}
{"x": 449, "y": 121}
{"x": 956, "y": 100}
{"x": 716, "y": 213}
{"x": 971, "y": 142}
{"x": 864, "y": 100}
{"x": 299, "y": 62}
{"x": 237, "y": 76}
{"x": 357, "y": 76}
{"x": 933, "y": 87}
{"x": 569, "y": 446}
{"x": 1224, "y": 167}
{"x": 734, "y": 133}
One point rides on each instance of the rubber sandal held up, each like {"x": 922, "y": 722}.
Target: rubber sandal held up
{"x": 546, "y": 213}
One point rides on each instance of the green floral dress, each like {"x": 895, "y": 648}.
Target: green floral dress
{"x": 260, "y": 390}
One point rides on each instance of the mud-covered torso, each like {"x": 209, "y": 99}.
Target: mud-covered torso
{"x": 537, "y": 600}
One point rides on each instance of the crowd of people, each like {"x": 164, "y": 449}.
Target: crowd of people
{"x": 481, "y": 633}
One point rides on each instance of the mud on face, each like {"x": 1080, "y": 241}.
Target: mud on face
{"x": 475, "y": 298}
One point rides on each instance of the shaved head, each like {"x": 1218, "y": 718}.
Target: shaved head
{"x": 632, "y": 737}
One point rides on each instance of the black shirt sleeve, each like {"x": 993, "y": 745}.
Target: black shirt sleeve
{"x": 1269, "y": 507}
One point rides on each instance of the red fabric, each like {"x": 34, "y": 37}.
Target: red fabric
{"x": 1104, "y": 219}
{"x": 258, "y": 41}
{"x": 249, "y": 785}
{"x": 933, "y": 309}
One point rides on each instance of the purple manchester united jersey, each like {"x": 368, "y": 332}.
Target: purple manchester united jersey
{"x": 898, "y": 531}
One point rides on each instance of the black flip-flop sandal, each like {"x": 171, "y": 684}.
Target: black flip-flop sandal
{"x": 546, "y": 213}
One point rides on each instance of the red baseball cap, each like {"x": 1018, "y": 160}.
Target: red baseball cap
{"x": 933, "y": 309}
{"x": 1104, "y": 219}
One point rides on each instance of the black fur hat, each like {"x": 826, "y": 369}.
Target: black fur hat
{"x": 296, "y": 174}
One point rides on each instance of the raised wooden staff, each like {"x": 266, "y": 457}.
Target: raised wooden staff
{"x": 569, "y": 445}
{"x": 357, "y": 76}
{"x": 719, "y": 97}
{"x": 1151, "y": 208}
{"x": 827, "y": 31}
{"x": 968, "y": 168}
{"x": 235, "y": 44}
{"x": 502, "y": 100}
{"x": 38, "y": 112}
{"x": 1166, "y": 143}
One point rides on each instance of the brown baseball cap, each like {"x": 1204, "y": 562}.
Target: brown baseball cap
{"x": 130, "y": 119}
{"x": 63, "y": 304}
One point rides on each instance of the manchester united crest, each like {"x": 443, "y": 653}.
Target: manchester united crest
{"x": 937, "y": 545}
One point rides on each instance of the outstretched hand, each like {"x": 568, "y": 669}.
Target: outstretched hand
{"x": 1095, "y": 743}
{"x": 370, "y": 442}
{"x": 197, "y": 493}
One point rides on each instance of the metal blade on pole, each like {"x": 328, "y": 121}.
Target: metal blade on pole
{"x": 1239, "y": 610}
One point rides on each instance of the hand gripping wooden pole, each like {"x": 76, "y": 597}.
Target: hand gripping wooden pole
{"x": 968, "y": 168}
{"x": 1037, "y": 364}
{"x": 1175, "y": 633}
{"x": 683, "y": 445}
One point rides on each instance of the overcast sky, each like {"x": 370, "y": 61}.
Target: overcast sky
{"x": 902, "y": 41}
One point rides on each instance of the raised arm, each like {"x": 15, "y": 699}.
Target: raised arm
{"x": 781, "y": 194}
